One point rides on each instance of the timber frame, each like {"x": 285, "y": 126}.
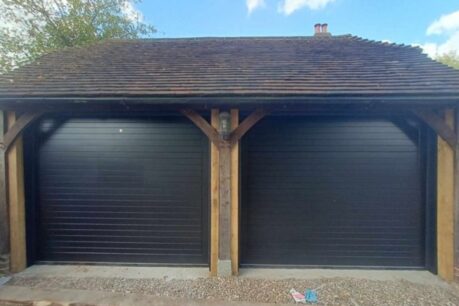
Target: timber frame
{"x": 212, "y": 132}
{"x": 224, "y": 185}
{"x": 17, "y": 128}
{"x": 439, "y": 125}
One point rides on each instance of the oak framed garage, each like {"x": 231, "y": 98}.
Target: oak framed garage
{"x": 375, "y": 117}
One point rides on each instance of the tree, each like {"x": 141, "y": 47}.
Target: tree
{"x": 31, "y": 28}
{"x": 451, "y": 59}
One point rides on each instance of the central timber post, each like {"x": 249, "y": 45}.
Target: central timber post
{"x": 224, "y": 255}
{"x": 228, "y": 195}
{"x": 224, "y": 133}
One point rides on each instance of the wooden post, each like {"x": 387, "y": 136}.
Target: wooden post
{"x": 16, "y": 201}
{"x": 4, "y": 220}
{"x": 224, "y": 229}
{"x": 445, "y": 204}
{"x": 214, "y": 198}
{"x": 235, "y": 196}
{"x": 456, "y": 198}
{"x": 224, "y": 253}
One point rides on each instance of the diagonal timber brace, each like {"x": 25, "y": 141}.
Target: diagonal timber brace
{"x": 16, "y": 130}
{"x": 247, "y": 124}
{"x": 439, "y": 125}
{"x": 212, "y": 132}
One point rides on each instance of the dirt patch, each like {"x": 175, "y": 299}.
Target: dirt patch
{"x": 332, "y": 291}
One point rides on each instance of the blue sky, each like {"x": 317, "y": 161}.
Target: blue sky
{"x": 401, "y": 21}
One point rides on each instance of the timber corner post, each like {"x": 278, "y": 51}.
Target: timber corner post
{"x": 4, "y": 222}
{"x": 446, "y": 199}
{"x": 16, "y": 198}
{"x": 445, "y": 124}
{"x": 455, "y": 115}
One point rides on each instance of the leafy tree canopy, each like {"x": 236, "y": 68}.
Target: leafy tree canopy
{"x": 450, "y": 59}
{"x": 30, "y": 28}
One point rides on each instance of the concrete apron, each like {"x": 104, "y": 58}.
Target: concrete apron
{"x": 82, "y": 271}
{"x": 15, "y": 295}
{"x": 68, "y": 297}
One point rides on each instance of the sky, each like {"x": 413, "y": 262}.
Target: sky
{"x": 432, "y": 24}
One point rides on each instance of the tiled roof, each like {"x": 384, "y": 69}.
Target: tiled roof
{"x": 272, "y": 66}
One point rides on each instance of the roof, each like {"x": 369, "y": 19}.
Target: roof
{"x": 324, "y": 66}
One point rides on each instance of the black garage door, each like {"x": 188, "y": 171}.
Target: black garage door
{"x": 333, "y": 192}
{"x": 122, "y": 190}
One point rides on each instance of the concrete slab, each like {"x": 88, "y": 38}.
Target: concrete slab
{"x": 81, "y": 271}
{"x": 17, "y": 294}
{"x": 420, "y": 277}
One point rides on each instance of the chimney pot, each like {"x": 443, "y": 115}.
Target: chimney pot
{"x": 325, "y": 28}
{"x": 317, "y": 28}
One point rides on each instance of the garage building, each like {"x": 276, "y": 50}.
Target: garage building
{"x": 320, "y": 151}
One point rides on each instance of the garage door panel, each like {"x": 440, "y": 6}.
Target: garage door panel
{"x": 123, "y": 190}
{"x": 332, "y": 191}
{"x": 70, "y": 229}
{"x": 141, "y": 258}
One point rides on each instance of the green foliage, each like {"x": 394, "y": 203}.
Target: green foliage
{"x": 450, "y": 59}
{"x": 30, "y": 28}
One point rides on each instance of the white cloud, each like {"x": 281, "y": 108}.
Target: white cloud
{"x": 287, "y": 7}
{"x": 444, "y": 24}
{"x": 254, "y": 4}
{"x": 130, "y": 12}
{"x": 428, "y": 48}
{"x": 451, "y": 45}
{"x": 448, "y": 27}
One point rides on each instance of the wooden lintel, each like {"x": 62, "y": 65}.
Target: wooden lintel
{"x": 439, "y": 125}
{"x": 210, "y": 131}
{"x": 247, "y": 124}
{"x": 17, "y": 128}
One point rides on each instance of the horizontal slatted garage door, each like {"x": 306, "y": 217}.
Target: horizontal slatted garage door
{"x": 130, "y": 190}
{"x": 332, "y": 192}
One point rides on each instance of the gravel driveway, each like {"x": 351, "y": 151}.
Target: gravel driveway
{"x": 331, "y": 291}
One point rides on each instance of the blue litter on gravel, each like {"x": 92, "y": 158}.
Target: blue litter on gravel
{"x": 310, "y": 296}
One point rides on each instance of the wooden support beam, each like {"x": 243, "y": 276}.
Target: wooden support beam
{"x": 17, "y": 128}
{"x": 16, "y": 201}
{"x": 210, "y": 131}
{"x": 456, "y": 199}
{"x": 4, "y": 220}
{"x": 224, "y": 246}
{"x": 445, "y": 203}
{"x": 438, "y": 124}
{"x": 235, "y": 196}
{"x": 214, "y": 197}
{"x": 247, "y": 124}
{"x": 224, "y": 249}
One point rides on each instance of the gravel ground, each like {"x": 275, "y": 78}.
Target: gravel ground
{"x": 332, "y": 291}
